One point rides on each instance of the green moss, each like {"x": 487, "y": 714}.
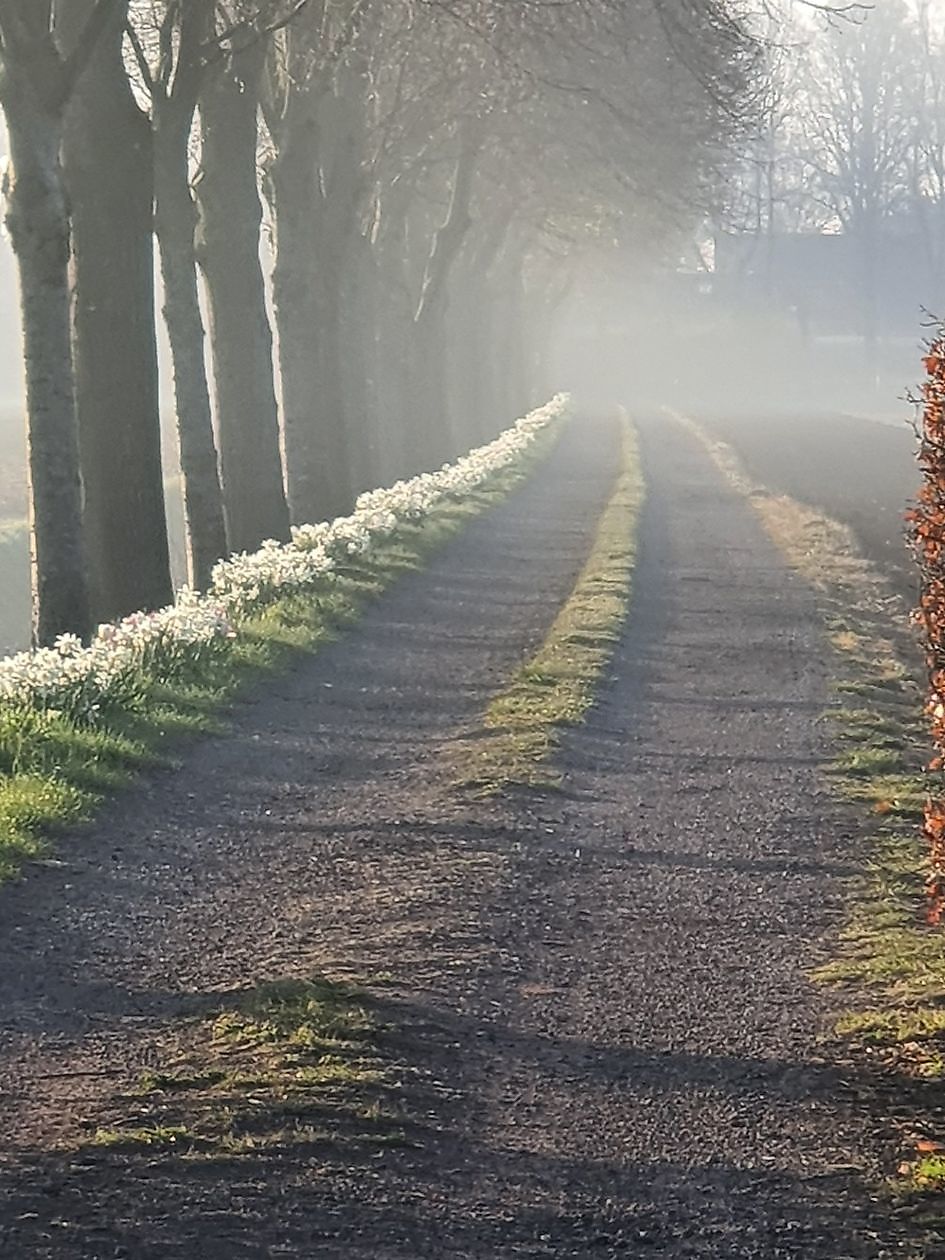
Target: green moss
{"x": 290, "y": 1062}
{"x": 153, "y": 1136}
{"x": 924, "y": 1178}
{"x": 304, "y": 1014}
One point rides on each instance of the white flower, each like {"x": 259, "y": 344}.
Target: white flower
{"x": 82, "y": 681}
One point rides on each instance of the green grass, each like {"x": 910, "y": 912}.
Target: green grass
{"x": 888, "y": 968}
{"x": 556, "y": 687}
{"x": 928, "y": 1173}
{"x": 293, "y": 1062}
{"x": 55, "y": 770}
{"x": 144, "y": 1135}
{"x": 890, "y": 962}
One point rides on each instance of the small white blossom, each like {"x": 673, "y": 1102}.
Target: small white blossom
{"x": 82, "y": 681}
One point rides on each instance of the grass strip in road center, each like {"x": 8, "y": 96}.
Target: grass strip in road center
{"x": 556, "y": 687}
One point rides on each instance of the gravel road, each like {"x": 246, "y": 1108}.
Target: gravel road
{"x": 601, "y": 994}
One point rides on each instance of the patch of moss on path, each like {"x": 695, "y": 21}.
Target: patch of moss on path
{"x": 293, "y": 1064}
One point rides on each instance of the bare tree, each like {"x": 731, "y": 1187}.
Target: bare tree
{"x": 838, "y": 152}
{"x": 314, "y": 184}
{"x": 36, "y": 85}
{"x": 240, "y": 333}
{"x": 171, "y": 59}
{"x": 109, "y": 172}
{"x": 925, "y": 93}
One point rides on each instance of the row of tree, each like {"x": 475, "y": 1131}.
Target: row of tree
{"x": 854, "y": 134}
{"x": 402, "y": 191}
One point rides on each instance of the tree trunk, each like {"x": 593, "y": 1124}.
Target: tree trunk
{"x": 306, "y": 292}
{"x": 515, "y": 398}
{"x": 473, "y": 315}
{"x": 433, "y": 438}
{"x": 38, "y": 224}
{"x": 472, "y": 365}
{"x": 394, "y": 311}
{"x": 108, "y": 164}
{"x": 508, "y": 339}
{"x": 546, "y": 305}
{"x": 360, "y": 298}
{"x": 176, "y": 221}
{"x": 436, "y": 440}
{"x": 240, "y": 334}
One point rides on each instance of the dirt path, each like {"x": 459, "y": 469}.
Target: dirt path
{"x": 603, "y": 993}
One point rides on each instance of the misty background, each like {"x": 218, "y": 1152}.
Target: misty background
{"x": 790, "y": 307}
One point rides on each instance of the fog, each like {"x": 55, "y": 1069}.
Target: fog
{"x": 679, "y": 341}
{"x": 771, "y": 256}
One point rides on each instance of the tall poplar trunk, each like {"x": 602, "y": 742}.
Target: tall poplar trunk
{"x": 545, "y": 306}
{"x": 394, "y": 313}
{"x": 307, "y": 278}
{"x": 318, "y": 476}
{"x": 38, "y": 225}
{"x": 176, "y": 222}
{"x": 393, "y": 382}
{"x": 240, "y": 334}
{"x": 514, "y": 388}
{"x": 475, "y": 405}
{"x": 472, "y": 385}
{"x": 109, "y": 171}
{"x": 360, "y": 298}
{"x": 435, "y": 441}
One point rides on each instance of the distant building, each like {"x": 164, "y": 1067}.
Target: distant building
{"x": 825, "y": 280}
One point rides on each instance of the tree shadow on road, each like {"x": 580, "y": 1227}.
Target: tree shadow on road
{"x": 492, "y": 1169}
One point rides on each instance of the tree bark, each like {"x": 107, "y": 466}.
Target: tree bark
{"x": 176, "y": 222}
{"x": 38, "y": 225}
{"x": 435, "y": 441}
{"x": 471, "y": 378}
{"x": 394, "y": 311}
{"x": 475, "y": 408}
{"x": 360, "y": 297}
{"x": 307, "y": 278}
{"x": 109, "y": 172}
{"x": 545, "y": 306}
{"x": 513, "y": 394}
{"x": 240, "y": 334}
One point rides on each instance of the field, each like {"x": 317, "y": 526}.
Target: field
{"x": 861, "y": 472}
{"x": 12, "y": 468}
{"x": 14, "y": 545}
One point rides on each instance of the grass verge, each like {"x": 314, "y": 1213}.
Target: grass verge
{"x": 290, "y": 1065}
{"x": 555, "y": 688}
{"x": 55, "y": 770}
{"x": 889, "y": 964}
